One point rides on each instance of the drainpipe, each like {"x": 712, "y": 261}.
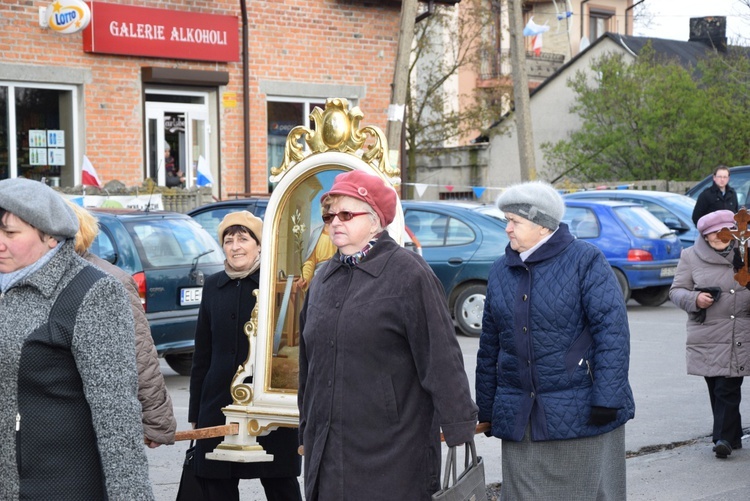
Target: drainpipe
{"x": 581, "y": 16}
{"x": 246, "y": 97}
{"x": 626, "y": 14}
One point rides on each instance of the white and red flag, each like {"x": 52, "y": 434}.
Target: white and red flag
{"x": 88, "y": 175}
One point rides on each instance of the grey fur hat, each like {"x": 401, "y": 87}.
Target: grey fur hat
{"x": 40, "y": 206}
{"x": 537, "y": 201}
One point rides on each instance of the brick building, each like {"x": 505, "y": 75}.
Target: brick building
{"x": 150, "y": 73}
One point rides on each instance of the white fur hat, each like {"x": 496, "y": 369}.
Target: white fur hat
{"x": 537, "y": 201}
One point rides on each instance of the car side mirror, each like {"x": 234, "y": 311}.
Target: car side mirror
{"x": 674, "y": 224}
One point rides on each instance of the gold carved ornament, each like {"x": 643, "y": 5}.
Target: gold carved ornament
{"x": 336, "y": 129}
{"x": 242, "y": 393}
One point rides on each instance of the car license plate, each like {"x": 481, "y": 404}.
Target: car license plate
{"x": 191, "y": 296}
{"x": 668, "y": 272}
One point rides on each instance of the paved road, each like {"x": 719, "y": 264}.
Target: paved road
{"x": 669, "y": 435}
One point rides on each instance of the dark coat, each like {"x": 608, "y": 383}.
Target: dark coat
{"x": 711, "y": 200}
{"x": 555, "y": 342}
{"x": 220, "y": 347}
{"x": 381, "y": 372}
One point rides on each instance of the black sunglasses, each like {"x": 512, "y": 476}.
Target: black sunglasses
{"x": 343, "y": 215}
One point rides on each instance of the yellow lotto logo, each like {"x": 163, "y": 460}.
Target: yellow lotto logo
{"x": 68, "y": 16}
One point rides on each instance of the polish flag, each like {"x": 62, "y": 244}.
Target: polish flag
{"x": 88, "y": 176}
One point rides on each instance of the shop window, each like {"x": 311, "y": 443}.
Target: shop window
{"x": 283, "y": 116}
{"x": 36, "y": 133}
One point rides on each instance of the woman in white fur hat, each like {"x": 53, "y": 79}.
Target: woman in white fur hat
{"x": 552, "y": 367}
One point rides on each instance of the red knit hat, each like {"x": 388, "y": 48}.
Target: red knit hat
{"x": 371, "y": 189}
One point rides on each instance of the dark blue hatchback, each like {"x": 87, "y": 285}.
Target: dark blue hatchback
{"x": 169, "y": 255}
{"x": 642, "y": 251}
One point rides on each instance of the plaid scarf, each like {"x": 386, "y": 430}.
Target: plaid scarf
{"x": 357, "y": 257}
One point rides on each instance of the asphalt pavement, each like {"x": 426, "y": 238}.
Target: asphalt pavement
{"x": 668, "y": 442}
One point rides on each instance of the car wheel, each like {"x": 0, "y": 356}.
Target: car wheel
{"x": 469, "y": 309}
{"x": 652, "y": 296}
{"x": 624, "y": 286}
{"x": 181, "y": 363}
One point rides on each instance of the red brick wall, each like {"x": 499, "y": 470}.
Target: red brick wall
{"x": 339, "y": 42}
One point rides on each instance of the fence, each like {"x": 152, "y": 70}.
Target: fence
{"x": 652, "y": 185}
{"x": 173, "y": 199}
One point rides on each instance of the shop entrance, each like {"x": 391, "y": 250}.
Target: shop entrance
{"x": 177, "y": 137}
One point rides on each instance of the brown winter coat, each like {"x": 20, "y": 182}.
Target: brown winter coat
{"x": 381, "y": 372}
{"x": 159, "y": 424}
{"x": 720, "y": 346}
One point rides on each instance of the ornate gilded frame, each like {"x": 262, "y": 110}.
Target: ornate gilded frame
{"x": 312, "y": 158}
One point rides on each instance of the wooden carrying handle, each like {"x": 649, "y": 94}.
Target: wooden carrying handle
{"x": 210, "y": 432}
{"x": 481, "y": 428}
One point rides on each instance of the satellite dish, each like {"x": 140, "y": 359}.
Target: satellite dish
{"x": 584, "y": 44}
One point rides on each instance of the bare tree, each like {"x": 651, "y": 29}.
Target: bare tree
{"x": 437, "y": 113}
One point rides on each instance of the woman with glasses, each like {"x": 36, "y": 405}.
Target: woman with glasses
{"x": 380, "y": 368}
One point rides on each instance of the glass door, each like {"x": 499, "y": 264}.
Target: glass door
{"x": 177, "y": 139}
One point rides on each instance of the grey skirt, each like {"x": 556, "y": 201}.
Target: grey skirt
{"x": 580, "y": 469}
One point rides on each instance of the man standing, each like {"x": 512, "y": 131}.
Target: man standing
{"x": 716, "y": 197}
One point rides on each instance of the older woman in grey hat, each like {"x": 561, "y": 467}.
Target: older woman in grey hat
{"x": 718, "y": 325}
{"x": 70, "y": 419}
{"x": 552, "y": 366}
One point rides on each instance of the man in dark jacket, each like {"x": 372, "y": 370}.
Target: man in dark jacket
{"x": 719, "y": 196}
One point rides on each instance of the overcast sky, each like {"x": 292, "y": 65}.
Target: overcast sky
{"x": 671, "y": 18}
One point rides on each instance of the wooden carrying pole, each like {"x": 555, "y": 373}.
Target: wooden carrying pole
{"x": 211, "y": 432}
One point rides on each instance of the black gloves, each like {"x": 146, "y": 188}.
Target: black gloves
{"x": 602, "y": 415}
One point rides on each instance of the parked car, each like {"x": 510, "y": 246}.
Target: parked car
{"x": 209, "y": 216}
{"x": 739, "y": 179}
{"x": 460, "y": 241}
{"x": 642, "y": 251}
{"x": 672, "y": 209}
{"x": 168, "y": 255}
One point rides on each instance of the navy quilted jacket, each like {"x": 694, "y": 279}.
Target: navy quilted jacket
{"x": 555, "y": 342}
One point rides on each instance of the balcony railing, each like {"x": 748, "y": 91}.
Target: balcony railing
{"x": 496, "y": 64}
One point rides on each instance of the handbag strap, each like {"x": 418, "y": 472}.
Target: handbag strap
{"x": 450, "y": 462}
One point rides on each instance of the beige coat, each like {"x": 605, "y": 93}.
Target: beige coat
{"x": 159, "y": 423}
{"x": 720, "y": 346}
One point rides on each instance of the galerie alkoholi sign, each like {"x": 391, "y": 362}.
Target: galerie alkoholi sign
{"x": 142, "y": 31}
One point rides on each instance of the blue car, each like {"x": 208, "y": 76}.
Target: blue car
{"x": 642, "y": 251}
{"x": 169, "y": 255}
{"x": 672, "y": 209}
{"x": 460, "y": 241}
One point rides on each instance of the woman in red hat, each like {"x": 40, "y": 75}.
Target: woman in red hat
{"x": 381, "y": 371}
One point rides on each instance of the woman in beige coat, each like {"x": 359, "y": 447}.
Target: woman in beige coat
{"x": 718, "y": 327}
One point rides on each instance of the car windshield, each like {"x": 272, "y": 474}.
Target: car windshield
{"x": 641, "y": 222}
{"x": 492, "y": 211}
{"x": 686, "y": 203}
{"x": 175, "y": 242}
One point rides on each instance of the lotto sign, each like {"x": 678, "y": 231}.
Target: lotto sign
{"x": 67, "y": 16}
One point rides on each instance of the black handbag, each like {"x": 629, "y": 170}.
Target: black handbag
{"x": 190, "y": 489}
{"x": 470, "y": 485}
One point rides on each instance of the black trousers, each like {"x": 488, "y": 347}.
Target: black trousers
{"x": 725, "y": 394}
{"x": 227, "y": 489}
